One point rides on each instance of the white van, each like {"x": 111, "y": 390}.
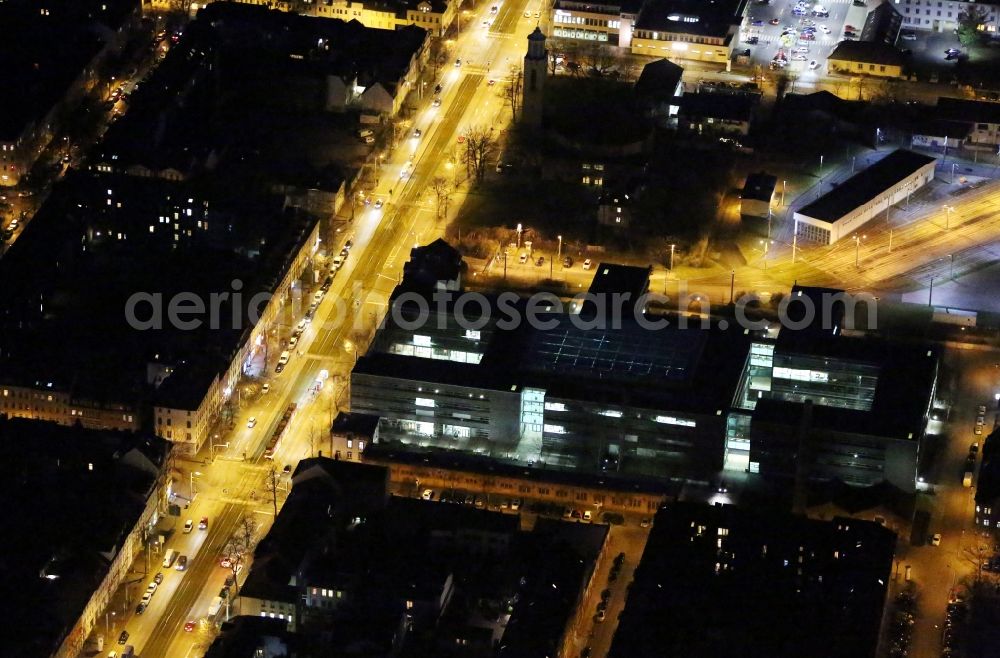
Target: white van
{"x": 214, "y": 606}
{"x": 283, "y": 359}
{"x": 168, "y": 558}
{"x": 366, "y": 132}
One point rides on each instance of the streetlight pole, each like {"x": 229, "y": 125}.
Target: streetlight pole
{"x": 783, "y": 184}
{"x": 559, "y": 253}
{"x": 732, "y": 285}
{"x": 930, "y": 293}
{"x": 795, "y": 240}
{"x": 857, "y": 250}
{"x": 672, "y": 257}
{"x": 947, "y": 217}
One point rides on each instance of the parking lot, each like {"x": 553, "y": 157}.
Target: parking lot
{"x": 798, "y": 35}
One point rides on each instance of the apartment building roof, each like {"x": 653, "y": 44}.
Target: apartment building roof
{"x": 659, "y": 80}
{"x": 58, "y": 477}
{"x": 133, "y": 236}
{"x": 864, "y": 186}
{"x": 199, "y": 108}
{"x": 765, "y": 583}
{"x": 44, "y": 52}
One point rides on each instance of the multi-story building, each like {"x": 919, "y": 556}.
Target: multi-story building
{"x": 823, "y": 406}
{"x": 435, "y": 16}
{"x": 51, "y": 55}
{"x": 64, "y": 567}
{"x": 987, "y": 516}
{"x": 621, "y": 398}
{"x": 942, "y": 15}
{"x": 606, "y": 22}
{"x": 105, "y": 362}
{"x": 688, "y": 29}
{"x": 722, "y": 580}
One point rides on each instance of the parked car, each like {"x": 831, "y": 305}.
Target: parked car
{"x": 203, "y": 524}
{"x": 586, "y": 264}
{"x": 567, "y": 262}
{"x": 522, "y": 259}
{"x": 936, "y": 539}
{"x": 158, "y": 578}
{"x": 252, "y": 421}
{"x": 189, "y": 626}
{"x": 378, "y": 203}
{"x": 188, "y": 526}
{"x": 123, "y": 638}
{"x": 427, "y": 494}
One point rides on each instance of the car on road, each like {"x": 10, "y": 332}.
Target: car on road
{"x": 540, "y": 261}
{"x": 600, "y": 616}
{"x": 182, "y": 563}
{"x": 978, "y": 431}
{"x": 494, "y": 9}
{"x": 378, "y": 204}
{"x": 158, "y": 578}
{"x": 980, "y": 420}
{"x": 952, "y": 51}
{"x": 417, "y": 133}
{"x": 813, "y": 64}
{"x": 252, "y": 421}
{"x": 527, "y": 14}
{"x": 293, "y": 341}
{"x": 151, "y": 588}
{"x": 587, "y": 263}
{"x": 287, "y": 468}
{"x": 644, "y": 523}
{"x": 774, "y": 21}
{"x": 752, "y": 41}
{"x": 588, "y": 516}
{"x": 203, "y": 524}
{"x": 458, "y": 63}
{"x": 225, "y": 563}
{"x": 427, "y": 494}
{"x": 936, "y": 539}
{"x": 824, "y": 29}
{"x": 437, "y": 102}
{"x": 491, "y": 82}
{"x": 141, "y": 608}
{"x": 756, "y": 22}
{"x": 280, "y": 368}
{"x": 538, "y": 14}
{"x": 123, "y": 638}
{"x": 567, "y": 262}
{"x": 908, "y": 35}
{"x": 147, "y": 597}
{"x": 515, "y": 504}
{"x": 265, "y": 389}
{"x": 522, "y": 259}
{"x": 301, "y": 326}
{"x": 188, "y": 526}
{"x": 189, "y": 626}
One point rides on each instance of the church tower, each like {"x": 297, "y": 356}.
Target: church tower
{"x": 536, "y": 66}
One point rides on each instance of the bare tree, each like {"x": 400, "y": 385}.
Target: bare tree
{"x": 599, "y": 58}
{"x": 441, "y": 187}
{"x": 271, "y": 486}
{"x": 631, "y": 68}
{"x": 978, "y": 555}
{"x": 480, "y": 148}
{"x": 240, "y": 546}
{"x": 512, "y": 92}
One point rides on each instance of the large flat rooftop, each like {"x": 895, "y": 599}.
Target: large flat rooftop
{"x": 691, "y": 369}
{"x": 865, "y": 185}
{"x": 713, "y": 18}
